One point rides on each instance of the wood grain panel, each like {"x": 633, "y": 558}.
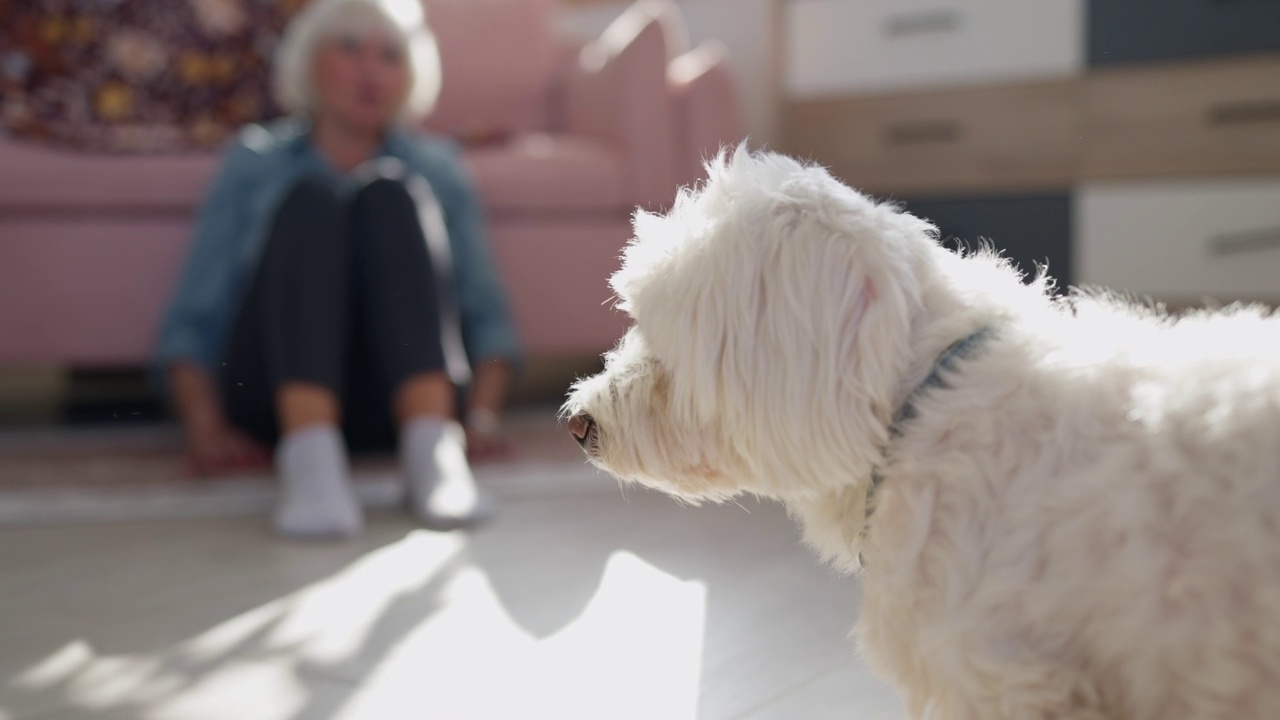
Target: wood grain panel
{"x": 1015, "y": 137}
{"x": 1201, "y": 118}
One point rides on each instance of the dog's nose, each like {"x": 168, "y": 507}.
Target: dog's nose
{"x": 580, "y": 427}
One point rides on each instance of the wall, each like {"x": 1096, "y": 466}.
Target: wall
{"x": 744, "y": 26}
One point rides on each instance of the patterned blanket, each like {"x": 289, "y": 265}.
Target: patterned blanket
{"x": 137, "y": 75}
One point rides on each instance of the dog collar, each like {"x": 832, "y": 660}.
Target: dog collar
{"x": 946, "y": 363}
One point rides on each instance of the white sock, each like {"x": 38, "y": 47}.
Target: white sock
{"x": 442, "y": 491}
{"x": 316, "y": 498}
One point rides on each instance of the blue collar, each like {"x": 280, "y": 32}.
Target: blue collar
{"x": 959, "y": 350}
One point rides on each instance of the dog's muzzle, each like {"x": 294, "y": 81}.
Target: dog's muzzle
{"x": 582, "y": 426}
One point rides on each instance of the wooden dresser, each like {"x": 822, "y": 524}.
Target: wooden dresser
{"x": 1133, "y": 144}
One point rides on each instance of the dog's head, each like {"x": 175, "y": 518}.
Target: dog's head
{"x": 772, "y": 316}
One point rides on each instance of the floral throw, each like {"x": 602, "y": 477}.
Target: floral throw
{"x": 137, "y": 75}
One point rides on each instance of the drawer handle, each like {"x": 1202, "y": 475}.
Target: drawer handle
{"x": 925, "y": 22}
{"x": 1245, "y": 113}
{"x": 1245, "y": 242}
{"x": 919, "y": 133}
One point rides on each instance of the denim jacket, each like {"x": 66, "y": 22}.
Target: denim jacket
{"x": 230, "y": 232}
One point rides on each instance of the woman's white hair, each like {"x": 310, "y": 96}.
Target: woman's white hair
{"x": 321, "y": 20}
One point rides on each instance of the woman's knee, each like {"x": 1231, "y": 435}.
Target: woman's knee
{"x": 310, "y": 221}
{"x": 310, "y": 195}
{"x": 389, "y": 187}
{"x": 385, "y": 199}
{"x": 388, "y": 216}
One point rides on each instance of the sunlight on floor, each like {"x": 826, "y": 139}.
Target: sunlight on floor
{"x": 634, "y": 652}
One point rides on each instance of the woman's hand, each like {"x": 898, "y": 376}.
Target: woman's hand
{"x": 214, "y": 447}
{"x": 217, "y": 448}
{"x": 486, "y": 439}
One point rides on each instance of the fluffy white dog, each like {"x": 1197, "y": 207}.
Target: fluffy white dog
{"x": 1065, "y": 508}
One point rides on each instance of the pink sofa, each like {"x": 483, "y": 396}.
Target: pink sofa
{"x": 90, "y": 245}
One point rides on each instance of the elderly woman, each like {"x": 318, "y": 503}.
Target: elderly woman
{"x": 340, "y": 290}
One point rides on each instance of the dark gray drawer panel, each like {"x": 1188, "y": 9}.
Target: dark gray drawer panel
{"x": 1029, "y": 229}
{"x": 1125, "y": 31}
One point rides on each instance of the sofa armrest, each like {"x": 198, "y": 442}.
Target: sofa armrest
{"x": 706, "y": 107}
{"x": 616, "y": 92}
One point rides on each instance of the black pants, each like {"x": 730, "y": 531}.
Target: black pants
{"x": 353, "y": 293}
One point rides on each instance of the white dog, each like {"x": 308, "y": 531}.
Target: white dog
{"x": 1065, "y": 508}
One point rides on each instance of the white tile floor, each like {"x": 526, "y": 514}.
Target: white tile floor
{"x": 575, "y": 603}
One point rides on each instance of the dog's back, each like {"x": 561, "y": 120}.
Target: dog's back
{"x": 1105, "y": 493}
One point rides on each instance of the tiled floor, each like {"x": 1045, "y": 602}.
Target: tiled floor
{"x": 577, "y": 602}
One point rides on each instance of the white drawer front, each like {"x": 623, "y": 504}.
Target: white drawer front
{"x": 841, "y": 47}
{"x": 1182, "y": 241}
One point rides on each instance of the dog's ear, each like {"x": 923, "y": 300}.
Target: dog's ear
{"x": 670, "y": 283}
{"x": 779, "y": 302}
{"x": 688, "y": 279}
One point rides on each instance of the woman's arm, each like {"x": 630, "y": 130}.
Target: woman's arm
{"x": 186, "y": 347}
{"x": 201, "y": 300}
{"x": 194, "y": 396}
{"x": 485, "y": 436}
{"x": 486, "y": 319}
{"x": 489, "y": 392}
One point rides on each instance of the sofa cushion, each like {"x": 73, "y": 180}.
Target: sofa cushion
{"x": 85, "y": 291}
{"x": 34, "y": 177}
{"x": 617, "y": 92}
{"x": 540, "y": 172}
{"x": 557, "y": 277}
{"x": 529, "y": 172}
{"x": 705, "y": 104}
{"x": 497, "y": 58}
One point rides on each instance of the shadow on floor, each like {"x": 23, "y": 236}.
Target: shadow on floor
{"x": 169, "y": 612}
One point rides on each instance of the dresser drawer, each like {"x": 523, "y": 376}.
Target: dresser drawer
{"x": 1123, "y": 31}
{"x": 1182, "y": 241}
{"x": 839, "y": 47}
{"x": 1220, "y": 116}
{"x": 1007, "y": 137}
{"x": 1031, "y": 230}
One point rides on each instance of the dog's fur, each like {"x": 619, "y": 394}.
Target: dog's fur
{"x": 1083, "y": 521}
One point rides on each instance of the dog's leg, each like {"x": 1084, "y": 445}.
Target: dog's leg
{"x": 943, "y": 672}
{"x": 964, "y": 686}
